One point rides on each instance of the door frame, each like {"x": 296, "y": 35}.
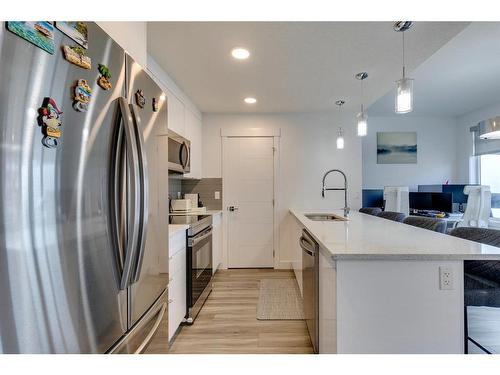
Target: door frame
{"x": 275, "y": 134}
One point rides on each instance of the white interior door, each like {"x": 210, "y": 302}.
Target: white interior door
{"x": 248, "y": 173}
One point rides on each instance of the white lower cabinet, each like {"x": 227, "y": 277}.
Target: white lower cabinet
{"x": 216, "y": 241}
{"x": 177, "y": 282}
{"x": 327, "y": 305}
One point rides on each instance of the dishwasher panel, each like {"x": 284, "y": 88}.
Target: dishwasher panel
{"x": 310, "y": 282}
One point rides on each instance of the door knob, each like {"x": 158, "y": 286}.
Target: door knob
{"x": 232, "y": 208}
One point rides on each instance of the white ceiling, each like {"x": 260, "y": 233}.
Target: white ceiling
{"x": 463, "y": 76}
{"x": 294, "y": 66}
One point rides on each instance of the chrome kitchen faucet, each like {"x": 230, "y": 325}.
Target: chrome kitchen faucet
{"x": 346, "y": 208}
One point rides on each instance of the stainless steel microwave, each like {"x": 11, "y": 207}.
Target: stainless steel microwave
{"x": 179, "y": 153}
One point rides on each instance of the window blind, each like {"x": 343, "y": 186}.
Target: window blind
{"x": 484, "y": 146}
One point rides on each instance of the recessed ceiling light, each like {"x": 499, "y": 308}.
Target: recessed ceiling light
{"x": 240, "y": 53}
{"x": 250, "y": 100}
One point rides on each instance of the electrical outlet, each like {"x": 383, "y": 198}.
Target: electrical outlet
{"x": 217, "y": 195}
{"x": 445, "y": 278}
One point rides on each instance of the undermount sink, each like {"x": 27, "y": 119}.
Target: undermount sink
{"x": 325, "y": 217}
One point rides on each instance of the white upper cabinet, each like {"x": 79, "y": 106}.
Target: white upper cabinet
{"x": 176, "y": 121}
{"x": 183, "y": 117}
{"x": 193, "y": 133}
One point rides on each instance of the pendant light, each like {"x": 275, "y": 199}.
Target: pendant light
{"x": 490, "y": 129}
{"x": 404, "y": 87}
{"x": 340, "y": 135}
{"x": 362, "y": 117}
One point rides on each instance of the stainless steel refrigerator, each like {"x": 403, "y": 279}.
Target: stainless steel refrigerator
{"x": 84, "y": 224}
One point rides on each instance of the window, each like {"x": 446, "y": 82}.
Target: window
{"x": 490, "y": 175}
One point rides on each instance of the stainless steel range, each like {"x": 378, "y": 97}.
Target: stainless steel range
{"x": 198, "y": 261}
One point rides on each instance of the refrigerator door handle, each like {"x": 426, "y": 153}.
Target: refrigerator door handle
{"x": 144, "y": 194}
{"x": 117, "y": 199}
{"x": 133, "y": 184}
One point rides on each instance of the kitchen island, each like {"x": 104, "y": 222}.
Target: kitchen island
{"x": 380, "y": 285}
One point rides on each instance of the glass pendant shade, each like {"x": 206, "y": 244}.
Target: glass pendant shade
{"x": 362, "y": 123}
{"x": 340, "y": 140}
{"x": 404, "y": 95}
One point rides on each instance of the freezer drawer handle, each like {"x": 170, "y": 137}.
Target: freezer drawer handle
{"x": 151, "y": 333}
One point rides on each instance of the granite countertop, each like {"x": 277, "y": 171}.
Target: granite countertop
{"x": 176, "y": 228}
{"x": 369, "y": 237}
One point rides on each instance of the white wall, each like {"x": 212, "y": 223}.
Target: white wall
{"x": 437, "y": 155}
{"x": 307, "y": 151}
{"x": 131, "y": 36}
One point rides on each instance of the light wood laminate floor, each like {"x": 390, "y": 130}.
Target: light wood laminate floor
{"x": 228, "y": 323}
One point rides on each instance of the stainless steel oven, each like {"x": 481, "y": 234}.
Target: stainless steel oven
{"x": 199, "y": 271}
{"x": 179, "y": 153}
{"x": 198, "y": 261}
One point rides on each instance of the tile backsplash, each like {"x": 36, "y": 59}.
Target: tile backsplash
{"x": 174, "y": 185}
{"x": 206, "y": 188}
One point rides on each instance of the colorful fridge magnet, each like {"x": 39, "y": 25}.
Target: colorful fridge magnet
{"x": 76, "y": 55}
{"x": 140, "y": 99}
{"x": 50, "y": 121}
{"x": 155, "y": 105}
{"x": 76, "y": 30}
{"x": 82, "y": 95}
{"x": 104, "y": 79}
{"x": 40, "y": 33}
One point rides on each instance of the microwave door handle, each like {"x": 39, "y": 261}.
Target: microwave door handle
{"x": 132, "y": 192}
{"x": 144, "y": 193}
{"x": 188, "y": 155}
{"x": 181, "y": 150}
{"x": 181, "y": 154}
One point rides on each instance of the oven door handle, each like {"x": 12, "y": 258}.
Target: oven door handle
{"x": 196, "y": 240}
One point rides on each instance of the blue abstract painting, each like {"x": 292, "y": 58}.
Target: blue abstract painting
{"x": 396, "y": 148}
